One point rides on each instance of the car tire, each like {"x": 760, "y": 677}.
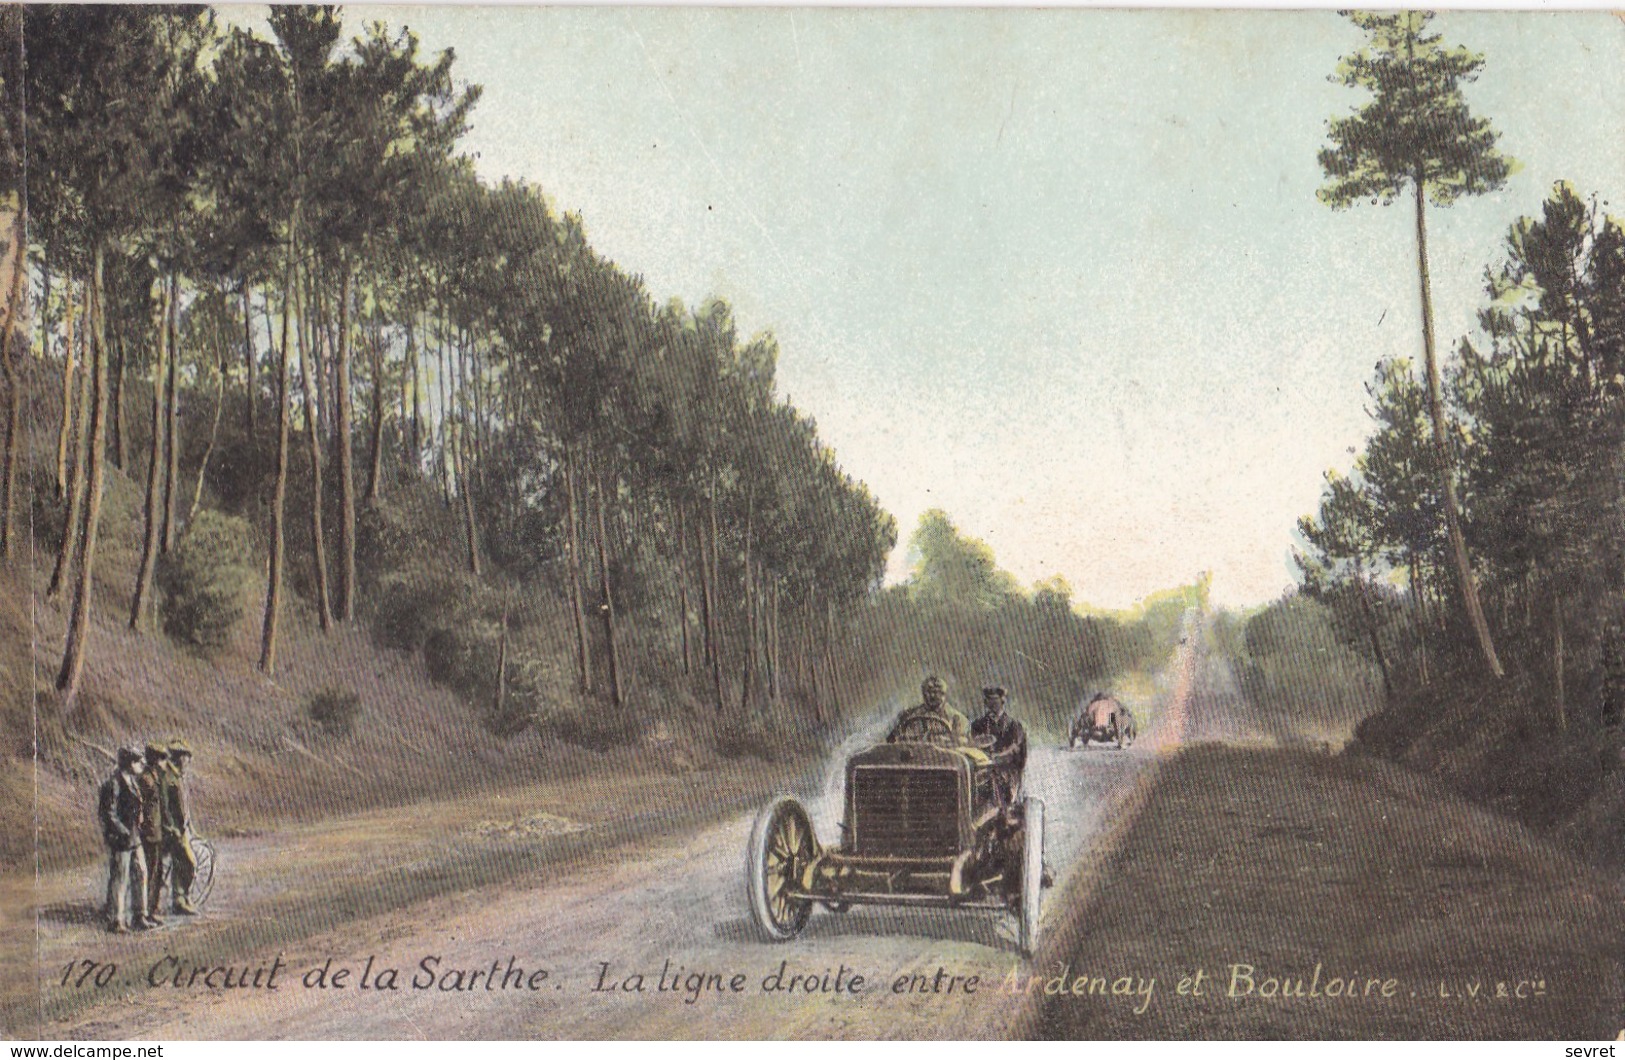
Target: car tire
{"x": 1032, "y": 872}
{"x": 781, "y": 841}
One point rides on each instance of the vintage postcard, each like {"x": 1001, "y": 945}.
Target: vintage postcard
{"x": 800, "y": 523}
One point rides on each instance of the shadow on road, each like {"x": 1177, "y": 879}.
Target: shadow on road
{"x": 84, "y": 911}
{"x": 976, "y": 927}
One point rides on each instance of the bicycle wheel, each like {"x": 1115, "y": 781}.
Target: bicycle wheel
{"x": 203, "y": 880}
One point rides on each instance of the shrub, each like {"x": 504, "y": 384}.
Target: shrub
{"x": 334, "y": 709}
{"x": 464, "y": 658}
{"x": 595, "y": 725}
{"x": 413, "y": 603}
{"x": 207, "y": 579}
{"x": 386, "y": 542}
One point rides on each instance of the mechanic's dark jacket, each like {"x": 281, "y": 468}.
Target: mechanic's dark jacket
{"x": 1009, "y": 738}
{"x": 119, "y": 807}
{"x": 177, "y": 808}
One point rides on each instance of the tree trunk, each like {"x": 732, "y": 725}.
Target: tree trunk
{"x": 346, "y": 456}
{"x": 1376, "y": 640}
{"x": 577, "y": 607}
{"x": 773, "y": 644}
{"x": 476, "y": 406}
{"x": 502, "y": 667}
{"x": 172, "y": 436}
{"x": 403, "y": 409}
{"x": 1557, "y": 661}
{"x": 375, "y": 463}
{"x": 417, "y": 398}
{"x": 829, "y": 657}
{"x": 1419, "y": 612}
{"x": 141, "y": 599}
{"x": 466, "y": 489}
{"x": 467, "y": 419}
{"x": 214, "y": 436}
{"x": 116, "y": 417}
{"x": 249, "y": 426}
{"x": 607, "y": 605}
{"x": 68, "y": 553}
{"x": 73, "y": 654}
{"x": 682, "y": 590}
{"x": 11, "y": 359}
{"x": 442, "y": 382}
{"x": 812, "y": 660}
{"x": 270, "y": 326}
{"x": 279, "y": 493}
{"x": 1441, "y": 448}
{"x": 748, "y": 675}
{"x": 312, "y": 321}
{"x": 713, "y": 617}
{"x": 65, "y": 430}
{"x": 308, "y": 384}
{"x": 708, "y": 646}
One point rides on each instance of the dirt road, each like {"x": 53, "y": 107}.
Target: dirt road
{"x": 684, "y": 905}
{"x": 654, "y": 944}
{"x": 556, "y": 912}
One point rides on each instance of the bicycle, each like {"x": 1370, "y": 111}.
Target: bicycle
{"x": 203, "y": 854}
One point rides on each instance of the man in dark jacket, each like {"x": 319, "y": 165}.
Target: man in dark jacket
{"x": 178, "y": 829}
{"x": 151, "y": 783}
{"x": 1009, "y": 747}
{"x": 118, "y": 807}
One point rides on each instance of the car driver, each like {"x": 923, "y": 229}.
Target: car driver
{"x": 912, "y": 723}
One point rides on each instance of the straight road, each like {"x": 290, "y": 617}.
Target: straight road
{"x": 636, "y": 947}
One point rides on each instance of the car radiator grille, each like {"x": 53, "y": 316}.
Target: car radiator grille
{"x": 908, "y": 812}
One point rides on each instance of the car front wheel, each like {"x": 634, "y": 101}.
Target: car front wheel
{"x": 781, "y": 845}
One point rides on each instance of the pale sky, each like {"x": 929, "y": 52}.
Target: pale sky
{"x": 1060, "y": 273}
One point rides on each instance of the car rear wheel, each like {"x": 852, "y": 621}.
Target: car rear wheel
{"x": 1032, "y": 871}
{"x": 781, "y": 845}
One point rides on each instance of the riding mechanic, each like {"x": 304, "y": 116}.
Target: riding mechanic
{"x": 1008, "y": 751}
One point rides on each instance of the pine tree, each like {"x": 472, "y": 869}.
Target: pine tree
{"x": 1417, "y": 134}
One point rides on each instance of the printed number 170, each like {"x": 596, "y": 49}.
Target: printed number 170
{"x": 93, "y": 971}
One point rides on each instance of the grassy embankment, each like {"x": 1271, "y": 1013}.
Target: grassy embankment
{"x": 1257, "y": 866}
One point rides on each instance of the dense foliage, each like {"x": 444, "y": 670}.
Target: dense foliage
{"x": 1537, "y": 403}
{"x": 207, "y": 580}
{"x": 963, "y": 618}
{"x": 1510, "y": 454}
{"x": 269, "y": 285}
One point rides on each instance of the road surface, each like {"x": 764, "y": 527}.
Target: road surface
{"x": 656, "y": 944}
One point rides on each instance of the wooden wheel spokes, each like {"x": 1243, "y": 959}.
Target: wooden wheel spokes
{"x": 782, "y": 845}
{"x": 786, "y": 847}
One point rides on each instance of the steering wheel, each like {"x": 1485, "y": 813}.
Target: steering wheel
{"x": 926, "y": 728}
